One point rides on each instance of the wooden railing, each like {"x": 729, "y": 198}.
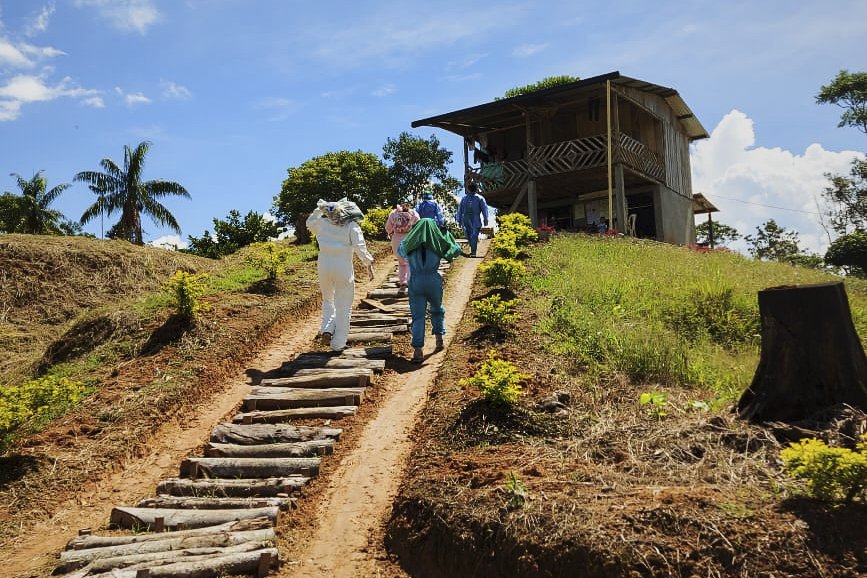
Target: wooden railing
{"x": 564, "y": 157}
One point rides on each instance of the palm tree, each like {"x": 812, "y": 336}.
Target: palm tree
{"x": 36, "y": 216}
{"x": 123, "y": 190}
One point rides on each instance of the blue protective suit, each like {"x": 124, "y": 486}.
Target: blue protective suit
{"x": 425, "y": 288}
{"x": 337, "y": 242}
{"x": 430, "y": 209}
{"x": 472, "y": 212}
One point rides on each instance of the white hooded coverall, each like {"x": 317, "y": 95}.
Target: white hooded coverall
{"x": 336, "y": 274}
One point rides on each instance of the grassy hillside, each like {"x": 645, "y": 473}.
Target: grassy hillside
{"x": 622, "y": 457}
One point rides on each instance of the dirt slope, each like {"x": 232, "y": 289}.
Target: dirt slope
{"x": 334, "y": 532}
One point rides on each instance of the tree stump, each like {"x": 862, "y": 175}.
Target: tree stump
{"x": 811, "y": 356}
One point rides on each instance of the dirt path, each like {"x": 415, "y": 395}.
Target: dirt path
{"x": 358, "y": 494}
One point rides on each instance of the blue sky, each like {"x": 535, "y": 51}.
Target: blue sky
{"x": 232, "y": 93}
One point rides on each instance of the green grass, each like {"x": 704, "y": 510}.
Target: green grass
{"x": 658, "y": 313}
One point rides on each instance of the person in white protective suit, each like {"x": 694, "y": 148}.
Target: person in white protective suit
{"x": 336, "y": 228}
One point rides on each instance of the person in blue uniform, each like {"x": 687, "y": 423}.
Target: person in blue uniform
{"x": 428, "y": 208}
{"x": 472, "y": 212}
{"x": 423, "y": 248}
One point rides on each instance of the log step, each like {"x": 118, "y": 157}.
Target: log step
{"x": 369, "y": 337}
{"x": 328, "y": 362}
{"x": 273, "y": 398}
{"x": 170, "y": 518}
{"x": 248, "y": 467}
{"x": 213, "y": 503}
{"x": 312, "y": 378}
{"x": 285, "y": 450}
{"x": 229, "y": 528}
{"x": 256, "y": 434}
{"x": 188, "y": 562}
{"x": 286, "y": 415}
{"x": 243, "y": 487}
{"x": 387, "y": 329}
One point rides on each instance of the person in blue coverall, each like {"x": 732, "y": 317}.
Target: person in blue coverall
{"x": 428, "y": 208}
{"x": 472, "y": 212}
{"x": 423, "y": 248}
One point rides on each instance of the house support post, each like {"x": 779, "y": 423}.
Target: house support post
{"x": 620, "y": 195}
{"x": 532, "y": 204}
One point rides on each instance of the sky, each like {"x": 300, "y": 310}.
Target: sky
{"x": 233, "y": 93}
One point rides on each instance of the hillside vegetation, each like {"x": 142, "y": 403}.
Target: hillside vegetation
{"x": 622, "y": 456}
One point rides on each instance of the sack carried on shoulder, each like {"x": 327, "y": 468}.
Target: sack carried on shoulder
{"x": 402, "y": 222}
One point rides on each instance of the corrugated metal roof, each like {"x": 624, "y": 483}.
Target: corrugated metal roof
{"x": 509, "y": 112}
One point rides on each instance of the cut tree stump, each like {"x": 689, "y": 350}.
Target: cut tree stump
{"x": 147, "y": 517}
{"x": 811, "y": 356}
{"x": 257, "y": 434}
{"x": 249, "y": 467}
{"x": 287, "y": 415}
{"x": 240, "y": 487}
{"x": 286, "y": 450}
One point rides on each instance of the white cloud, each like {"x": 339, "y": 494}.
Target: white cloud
{"x": 173, "y": 90}
{"x": 751, "y": 185}
{"x": 24, "y": 89}
{"x": 125, "y": 15}
{"x": 137, "y": 98}
{"x": 172, "y": 242}
{"x": 13, "y": 56}
{"x": 526, "y": 50}
{"x": 384, "y": 90}
{"x": 40, "y": 21}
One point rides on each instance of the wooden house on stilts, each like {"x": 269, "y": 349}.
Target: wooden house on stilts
{"x": 567, "y": 156}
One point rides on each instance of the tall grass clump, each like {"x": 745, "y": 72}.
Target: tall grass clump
{"x": 660, "y": 313}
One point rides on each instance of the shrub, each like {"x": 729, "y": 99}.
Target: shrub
{"x": 498, "y": 380}
{"x": 831, "y": 473}
{"x": 519, "y": 226}
{"x": 504, "y": 245}
{"x": 185, "y": 289}
{"x": 494, "y": 311}
{"x": 373, "y": 225}
{"x": 35, "y": 398}
{"x": 269, "y": 257}
{"x": 502, "y": 273}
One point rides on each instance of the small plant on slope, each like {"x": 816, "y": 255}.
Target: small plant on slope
{"x": 498, "y": 380}
{"x": 185, "y": 289}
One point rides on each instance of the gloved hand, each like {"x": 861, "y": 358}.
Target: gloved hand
{"x": 370, "y": 271}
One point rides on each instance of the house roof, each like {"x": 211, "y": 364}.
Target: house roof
{"x": 509, "y": 112}
{"x": 700, "y": 205}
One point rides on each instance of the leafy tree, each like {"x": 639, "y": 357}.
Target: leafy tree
{"x": 773, "y": 242}
{"x": 850, "y": 253}
{"x": 360, "y": 177}
{"x": 848, "y": 91}
{"x": 847, "y": 197}
{"x": 419, "y": 164}
{"x": 10, "y": 212}
{"x": 232, "y": 234}
{"x": 122, "y": 189}
{"x": 31, "y": 213}
{"x": 722, "y": 233}
{"x": 548, "y": 82}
